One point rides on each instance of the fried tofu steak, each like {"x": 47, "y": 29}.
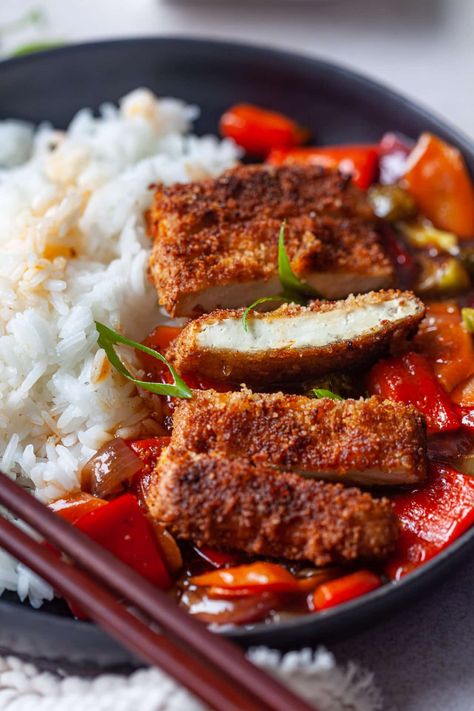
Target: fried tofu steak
{"x": 295, "y": 343}
{"x": 235, "y": 505}
{"x": 216, "y": 241}
{"x": 369, "y": 442}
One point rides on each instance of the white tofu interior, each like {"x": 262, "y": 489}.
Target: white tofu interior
{"x": 306, "y": 330}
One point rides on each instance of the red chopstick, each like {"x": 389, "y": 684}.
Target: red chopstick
{"x": 216, "y": 671}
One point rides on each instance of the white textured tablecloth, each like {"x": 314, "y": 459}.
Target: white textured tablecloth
{"x": 422, "y": 657}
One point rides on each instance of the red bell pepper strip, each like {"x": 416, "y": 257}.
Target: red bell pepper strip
{"x": 446, "y": 342}
{"x": 359, "y": 161}
{"x": 466, "y": 415}
{"x": 439, "y": 181}
{"x": 149, "y": 451}
{"x": 410, "y": 379}
{"x": 335, "y": 592}
{"x": 159, "y": 339}
{"x": 76, "y": 505}
{"x": 258, "y": 130}
{"x": 122, "y": 528}
{"x": 431, "y": 518}
{"x": 258, "y": 576}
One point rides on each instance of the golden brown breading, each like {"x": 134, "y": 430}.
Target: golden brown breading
{"x": 368, "y": 442}
{"x": 295, "y": 342}
{"x": 257, "y": 509}
{"x": 216, "y": 241}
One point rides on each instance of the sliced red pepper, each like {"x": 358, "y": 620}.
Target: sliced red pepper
{"x": 159, "y": 339}
{"x": 76, "y": 505}
{"x": 431, "y": 518}
{"x": 259, "y": 576}
{"x": 340, "y": 590}
{"x": 410, "y": 379}
{"x": 445, "y": 341}
{"x": 438, "y": 179}
{"x": 217, "y": 558}
{"x": 359, "y": 161}
{"x": 122, "y": 528}
{"x": 258, "y": 130}
{"x": 466, "y": 415}
{"x": 149, "y": 451}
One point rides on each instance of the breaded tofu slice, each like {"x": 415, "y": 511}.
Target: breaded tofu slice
{"x": 216, "y": 241}
{"x": 367, "y": 442}
{"x": 295, "y": 343}
{"x": 235, "y": 505}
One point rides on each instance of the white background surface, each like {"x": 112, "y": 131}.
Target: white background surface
{"x": 424, "y": 657}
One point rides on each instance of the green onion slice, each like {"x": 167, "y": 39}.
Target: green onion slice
{"x": 291, "y": 284}
{"x": 321, "y": 392}
{"x": 108, "y": 339}
{"x": 250, "y": 308}
{"x": 468, "y": 318}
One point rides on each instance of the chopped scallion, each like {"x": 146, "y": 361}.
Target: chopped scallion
{"x": 256, "y": 303}
{"x": 321, "y": 392}
{"x": 468, "y": 318}
{"x": 292, "y": 285}
{"x": 109, "y": 338}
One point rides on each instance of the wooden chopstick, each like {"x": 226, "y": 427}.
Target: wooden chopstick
{"x": 102, "y": 607}
{"x": 212, "y": 649}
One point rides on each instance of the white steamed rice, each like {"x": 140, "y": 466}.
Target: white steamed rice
{"x": 73, "y": 249}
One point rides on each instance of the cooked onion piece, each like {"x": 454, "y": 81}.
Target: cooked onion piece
{"x": 113, "y": 465}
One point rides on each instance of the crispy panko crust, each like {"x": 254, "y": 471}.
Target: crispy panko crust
{"x": 257, "y": 509}
{"x": 285, "y": 365}
{"x": 367, "y": 442}
{"x": 224, "y": 231}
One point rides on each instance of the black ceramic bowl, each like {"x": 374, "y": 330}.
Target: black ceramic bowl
{"x": 339, "y": 106}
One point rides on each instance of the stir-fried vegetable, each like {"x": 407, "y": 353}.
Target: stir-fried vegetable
{"x": 125, "y": 531}
{"x": 391, "y": 202}
{"x": 110, "y": 468}
{"x": 422, "y": 233}
{"x": 411, "y": 379}
{"x": 322, "y": 392}
{"x": 361, "y": 162}
{"x": 168, "y": 547}
{"x": 335, "y": 592}
{"x": 258, "y": 130}
{"x": 108, "y": 339}
{"x": 438, "y": 179}
{"x": 149, "y": 450}
{"x": 158, "y": 340}
{"x": 468, "y": 318}
{"x": 463, "y": 394}
{"x": 441, "y": 276}
{"x": 74, "y": 506}
{"x": 240, "y": 610}
{"x": 431, "y": 518}
{"x": 445, "y": 341}
{"x": 255, "y": 576}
